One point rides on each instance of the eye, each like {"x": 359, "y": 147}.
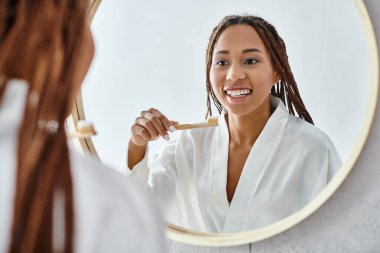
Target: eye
{"x": 250, "y": 61}
{"x": 221, "y": 63}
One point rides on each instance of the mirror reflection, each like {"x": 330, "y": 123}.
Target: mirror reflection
{"x": 283, "y": 111}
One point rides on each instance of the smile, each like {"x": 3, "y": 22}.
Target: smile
{"x": 238, "y": 93}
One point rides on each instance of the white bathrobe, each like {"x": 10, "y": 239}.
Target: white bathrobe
{"x": 112, "y": 213}
{"x": 289, "y": 164}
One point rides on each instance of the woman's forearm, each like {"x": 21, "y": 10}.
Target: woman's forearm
{"x": 135, "y": 154}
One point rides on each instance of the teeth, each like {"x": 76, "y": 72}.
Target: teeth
{"x": 238, "y": 92}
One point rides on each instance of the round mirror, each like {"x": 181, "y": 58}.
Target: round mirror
{"x": 152, "y": 55}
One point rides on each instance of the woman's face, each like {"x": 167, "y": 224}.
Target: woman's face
{"x": 241, "y": 72}
{"x": 86, "y": 54}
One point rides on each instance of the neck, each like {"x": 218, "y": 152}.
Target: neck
{"x": 244, "y": 130}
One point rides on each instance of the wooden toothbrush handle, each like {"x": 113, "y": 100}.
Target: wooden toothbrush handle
{"x": 191, "y": 126}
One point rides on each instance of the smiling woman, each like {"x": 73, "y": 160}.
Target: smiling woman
{"x": 260, "y": 164}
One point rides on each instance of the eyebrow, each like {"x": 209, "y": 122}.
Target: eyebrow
{"x": 248, "y": 50}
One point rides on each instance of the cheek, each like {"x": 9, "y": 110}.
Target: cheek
{"x": 86, "y": 54}
{"x": 88, "y": 48}
{"x": 216, "y": 83}
{"x": 212, "y": 77}
{"x": 267, "y": 80}
{"x": 216, "y": 78}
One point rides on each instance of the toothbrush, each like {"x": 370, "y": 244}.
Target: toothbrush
{"x": 210, "y": 122}
{"x": 84, "y": 129}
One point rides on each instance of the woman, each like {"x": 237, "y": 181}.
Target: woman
{"x": 261, "y": 163}
{"x": 53, "y": 200}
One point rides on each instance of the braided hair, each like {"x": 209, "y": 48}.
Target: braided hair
{"x": 40, "y": 42}
{"x": 286, "y": 88}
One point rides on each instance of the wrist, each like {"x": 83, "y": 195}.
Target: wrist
{"x": 133, "y": 145}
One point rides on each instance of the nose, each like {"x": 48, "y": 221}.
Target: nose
{"x": 235, "y": 72}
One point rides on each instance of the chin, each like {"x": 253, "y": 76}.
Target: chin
{"x": 240, "y": 110}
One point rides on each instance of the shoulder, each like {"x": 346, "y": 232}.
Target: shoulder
{"x": 115, "y": 205}
{"x": 95, "y": 174}
{"x": 311, "y": 143}
{"x": 90, "y": 175}
{"x": 308, "y": 135}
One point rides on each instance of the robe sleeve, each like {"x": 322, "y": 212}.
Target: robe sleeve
{"x": 335, "y": 162}
{"x": 160, "y": 178}
{"x": 320, "y": 161}
{"x": 140, "y": 172}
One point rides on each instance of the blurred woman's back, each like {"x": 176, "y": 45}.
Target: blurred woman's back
{"x": 51, "y": 198}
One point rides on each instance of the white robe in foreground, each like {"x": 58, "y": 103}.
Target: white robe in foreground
{"x": 111, "y": 213}
{"x": 289, "y": 164}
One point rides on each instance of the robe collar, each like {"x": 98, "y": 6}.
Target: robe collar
{"x": 12, "y": 107}
{"x": 235, "y": 213}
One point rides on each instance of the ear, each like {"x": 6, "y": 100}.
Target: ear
{"x": 276, "y": 76}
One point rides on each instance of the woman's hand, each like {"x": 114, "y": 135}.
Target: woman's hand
{"x": 150, "y": 126}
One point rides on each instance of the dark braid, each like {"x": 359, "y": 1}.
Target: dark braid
{"x": 286, "y": 88}
{"x": 41, "y": 42}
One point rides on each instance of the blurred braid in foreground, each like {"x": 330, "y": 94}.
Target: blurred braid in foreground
{"x": 40, "y": 42}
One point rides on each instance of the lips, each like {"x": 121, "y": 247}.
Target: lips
{"x": 238, "y": 92}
